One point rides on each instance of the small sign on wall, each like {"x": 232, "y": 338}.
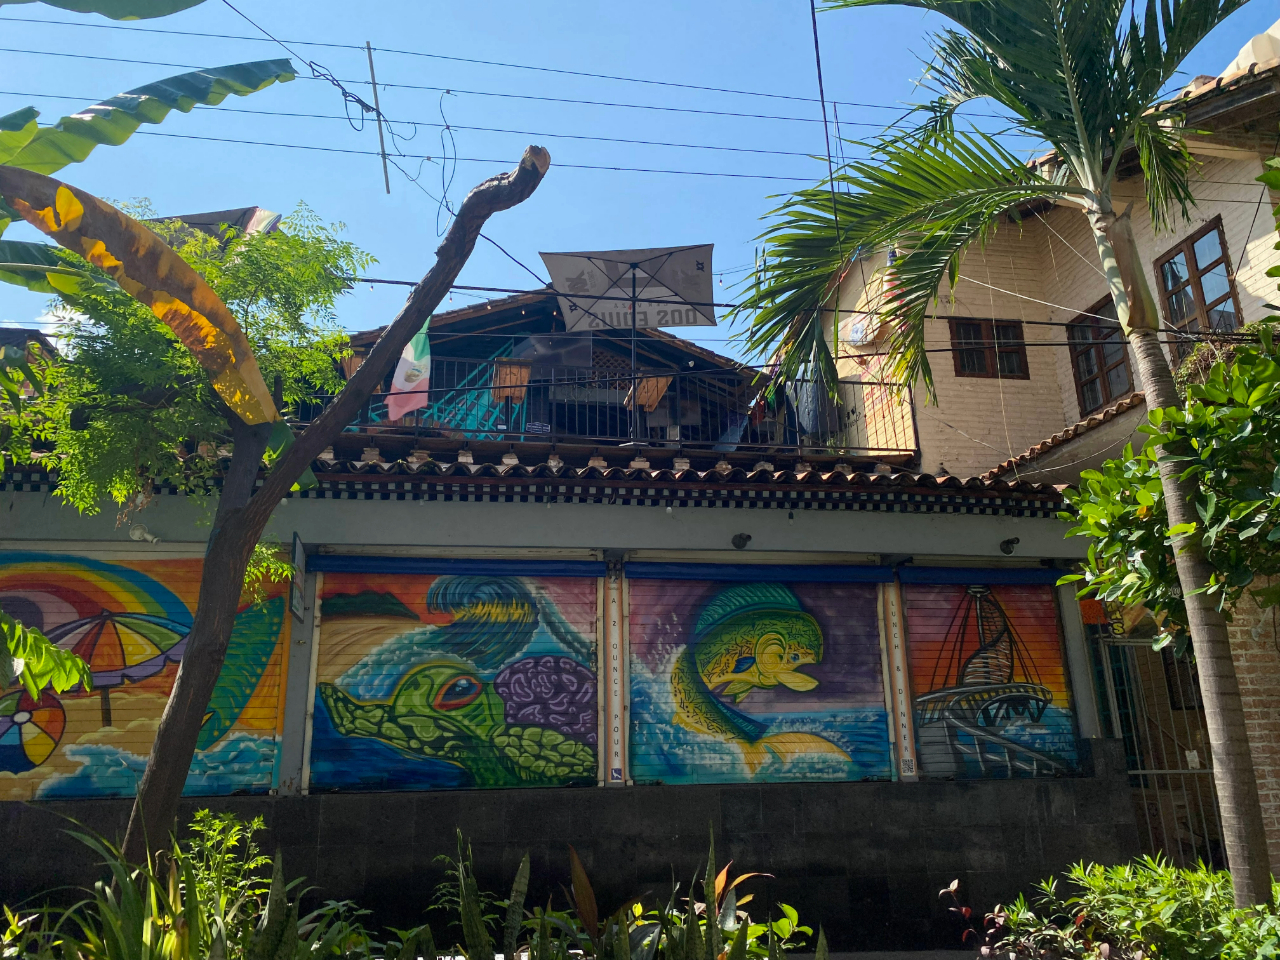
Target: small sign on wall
{"x": 299, "y": 573}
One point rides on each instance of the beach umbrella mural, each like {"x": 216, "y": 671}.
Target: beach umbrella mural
{"x": 29, "y": 729}
{"x": 121, "y": 646}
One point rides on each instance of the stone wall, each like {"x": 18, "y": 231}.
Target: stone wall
{"x": 864, "y": 859}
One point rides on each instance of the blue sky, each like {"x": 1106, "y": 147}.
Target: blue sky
{"x": 869, "y": 58}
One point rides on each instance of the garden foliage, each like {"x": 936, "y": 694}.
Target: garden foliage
{"x": 1145, "y": 910}
{"x": 1226, "y": 436}
{"x": 218, "y": 898}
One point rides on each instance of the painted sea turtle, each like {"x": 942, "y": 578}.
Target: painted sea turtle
{"x": 443, "y": 710}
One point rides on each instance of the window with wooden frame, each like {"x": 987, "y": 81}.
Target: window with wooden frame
{"x": 989, "y": 348}
{"x": 1099, "y": 357}
{"x": 1197, "y": 284}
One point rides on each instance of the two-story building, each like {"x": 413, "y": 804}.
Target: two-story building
{"x": 1034, "y": 381}
{"x": 562, "y": 603}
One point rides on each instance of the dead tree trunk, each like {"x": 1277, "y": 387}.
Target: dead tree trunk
{"x": 243, "y": 513}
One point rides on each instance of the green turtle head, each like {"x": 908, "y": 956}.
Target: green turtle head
{"x": 450, "y": 694}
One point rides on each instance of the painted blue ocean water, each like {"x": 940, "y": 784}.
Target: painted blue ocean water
{"x": 662, "y": 750}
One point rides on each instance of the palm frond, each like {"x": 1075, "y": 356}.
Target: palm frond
{"x": 930, "y": 198}
{"x": 1079, "y": 73}
{"x": 1166, "y": 168}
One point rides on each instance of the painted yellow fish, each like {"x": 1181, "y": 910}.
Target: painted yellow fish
{"x": 754, "y": 635}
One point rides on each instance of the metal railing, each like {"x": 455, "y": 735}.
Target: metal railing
{"x": 520, "y": 401}
{"x": 1151, "y": 700}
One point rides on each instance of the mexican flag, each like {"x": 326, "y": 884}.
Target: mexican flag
{"x": 412, "y": 377}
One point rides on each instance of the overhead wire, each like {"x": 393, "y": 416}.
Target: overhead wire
{"x": 831, "y": 173}
{"x": 471, "y": 60}
{"x": 427, "y": 157}
{"x": 222, "y": 108}
{"x": 1170, "y": 335}
{"x": 457, "y": 90}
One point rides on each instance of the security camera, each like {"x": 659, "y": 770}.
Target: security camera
{"x": 139, "y": 532}
{"x": 1006, "y": 546}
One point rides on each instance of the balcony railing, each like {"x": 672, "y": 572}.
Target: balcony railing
{"x": 518, "y": 401}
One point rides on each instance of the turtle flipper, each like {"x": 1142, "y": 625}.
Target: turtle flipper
{"x": 352, "y": 718}
{"x": 540, "y": 755}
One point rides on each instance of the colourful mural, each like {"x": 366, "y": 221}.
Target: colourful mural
{"x": 755, "y": 682}
{"x": 988, "y": 681}
{"x": 431, "y": 682}
{"x": 129, "y": 621}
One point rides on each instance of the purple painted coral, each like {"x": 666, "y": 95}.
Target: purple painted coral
{"x": 553, "y": 692}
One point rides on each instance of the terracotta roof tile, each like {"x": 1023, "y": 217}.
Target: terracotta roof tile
{"x": 1070, "y": 433}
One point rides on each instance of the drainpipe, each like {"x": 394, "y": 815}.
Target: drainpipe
{"x": 900, "y": 679}
{"x": 615, "y": 743}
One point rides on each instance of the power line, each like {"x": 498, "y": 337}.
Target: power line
{"x": 455, "y": 126}
{"x": 471, "y": 60}
{"x": 411, "y": 156}
{"x": 475, "y": 93}
{"x": 552, "y": 292}
{"x": 222, "y": 108}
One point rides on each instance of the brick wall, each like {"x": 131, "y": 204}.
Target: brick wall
{"x": 1255, "y": 647}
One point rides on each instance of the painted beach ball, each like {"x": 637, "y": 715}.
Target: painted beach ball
{"x": 29, "y": 729}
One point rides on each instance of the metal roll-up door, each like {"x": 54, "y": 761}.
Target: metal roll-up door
{"x": 754, "y": 673}
{"x": 438, "y": 674}
{"x": 988, "y": 673}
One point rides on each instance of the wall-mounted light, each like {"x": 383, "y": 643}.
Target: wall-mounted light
{"x": 1006, "y": 546}
{"x": 740, "y": 541}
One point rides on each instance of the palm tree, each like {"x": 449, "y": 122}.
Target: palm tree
{"x": 1087, "y": 77}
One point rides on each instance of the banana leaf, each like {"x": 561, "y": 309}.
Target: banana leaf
{"x": 37, "y": 267}
{"x": 151, "y": 273}
{"x": 119, "y": 9}
{"x": 16, "y": 131}
{"x": 112, "y": 122}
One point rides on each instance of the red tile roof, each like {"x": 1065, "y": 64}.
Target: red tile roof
{"x": 1090, "y": 422}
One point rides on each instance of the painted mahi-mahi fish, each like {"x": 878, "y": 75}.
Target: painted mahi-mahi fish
{"x": 444, "y": 711}
{"x": 753, "y": 636}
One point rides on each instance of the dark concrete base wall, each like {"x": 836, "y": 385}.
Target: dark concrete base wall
{"x": 866, "y": 860}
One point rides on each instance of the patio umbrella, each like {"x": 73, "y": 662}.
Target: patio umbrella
{"x": 29, "y": 729}
{"x": 122, "y": 646}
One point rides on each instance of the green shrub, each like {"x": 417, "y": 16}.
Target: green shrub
{"x": 217, "y": 897}
{"x": 1145, "y": 910}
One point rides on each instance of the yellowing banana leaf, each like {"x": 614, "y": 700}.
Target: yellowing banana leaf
{"x": 151, "y": 273}
{"x": 37, "y": 267}
{"x": 119, "y": 9}
{"x": 112, "y": 122}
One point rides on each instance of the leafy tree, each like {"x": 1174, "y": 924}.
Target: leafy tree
{"x": 29, "y": 146}
{"x": 28, "y": 655}
{"x": 1225, "y": 438}
{"x": 1088, "y": 78}
{"x": 142, "y": 410}
{"x": 128, "y": 407}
